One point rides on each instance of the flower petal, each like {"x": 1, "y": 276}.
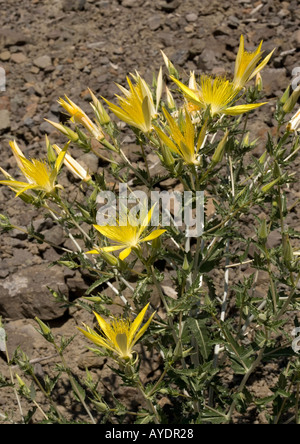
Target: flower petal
{"x": 96, "y": 339}
{"x": 105, "y": 326}
{"x": 154, "y": 235}
{"x": 136, "y": 324}
{"x": 240, "y": 109}
{"x": 142, "y": 330}
{"x": 124, "y": 254}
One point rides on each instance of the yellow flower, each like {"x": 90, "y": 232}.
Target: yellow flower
{"x": 294, "y": 123}
{"x": 74, "y": 166}
{"x": 79, "y": 116}
{"x": 120, "y": 335}
{"x": 127, "y": 235}
{"x": 137, "y": 107}
{"x": 39, "y": 174}
{"x": 182, "y": 141}
{"x": 216, "y": 93}
{"x": 246, "y": 64}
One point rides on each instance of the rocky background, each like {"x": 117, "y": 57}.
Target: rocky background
{"x": 49, "y": 48}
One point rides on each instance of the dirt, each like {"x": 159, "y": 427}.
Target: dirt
{"x": 52, "y": 48}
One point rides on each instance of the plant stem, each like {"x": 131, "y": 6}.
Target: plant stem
{"x": 245, "y": 380}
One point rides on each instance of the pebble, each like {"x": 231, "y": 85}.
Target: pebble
{"x": 192, "y": 17}
{"x": 5, "y": 56}
{"x": 42, "y": 61}
{"x": 155, "y": 22}
{"x": 4, "y": 119}
{"x": 18, "y": 58}
{"x": 297, "y": 37}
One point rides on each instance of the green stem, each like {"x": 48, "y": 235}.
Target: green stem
{"x": 245, "y": 380}
{"x": 134, "y": 170}
{"x": 73, "y": 383}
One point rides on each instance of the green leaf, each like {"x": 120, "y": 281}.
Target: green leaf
{"x": 97, "y": 283}
{"x": 199, "y": 332}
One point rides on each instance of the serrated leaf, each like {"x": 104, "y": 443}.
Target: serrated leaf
{"x": 78, "y": 391}
{"x": 97, "y": 283}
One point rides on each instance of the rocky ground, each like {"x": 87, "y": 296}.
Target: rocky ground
{"x": 51, "y": 48}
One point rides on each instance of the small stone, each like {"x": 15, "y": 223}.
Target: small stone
{"x": 73, "y": 5}
{"x": 5, "y": 56}
{"x": 18, "y": 58}
{"x": 4, "y": 119}
{"x": 297, "y": 37}
{"x": 180, "y": 57}
{"x": 129, "y": 3}
{"x": 43, "y": 61}
{"x": 192, "y": 17}
{"x": 155, "y": 22}
{"x": 168, "y": 6}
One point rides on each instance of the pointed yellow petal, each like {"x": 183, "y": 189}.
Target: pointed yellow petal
{"x": 124, "y": 254}
{"x": 96, "y": 339}
{"x": 154, "y": 235}
{"x": 112, "y": 248}
{"x": 142, "y": 330}
{"x": 262, "y": 64}
{"x": 136, "y": 324}
{"x": 240, "y": 109}
{"x": 166, "y": 140}
{"x": 105, "y": 326}
{"x": 159, "y": 88}
{"x": 188, "y": 92}
{"x": 92, "y": 252}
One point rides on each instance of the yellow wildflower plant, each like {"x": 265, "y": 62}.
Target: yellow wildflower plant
{"x": 246, "y": 64}
{"x": 39, "y": 174}
{"x": 127, "y": 235}
{"x": 74, "y": 166}
{"x": 137, "y": 108}
{"x": 217, "y": 94}
{"x": 181, "y": 139}
{"x": 120, "y": 335}
{"x": 79, "y": 116}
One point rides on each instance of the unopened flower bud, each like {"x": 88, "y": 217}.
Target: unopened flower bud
{"x": 170, "y": 100}
{"x": 270, "y": 185}
{"x": 64, "y": 130}
{"x": 288, "y": 254}
{"x": 101, "y": 114}
{"x": 45, "y": 330}
{"x": 167, "y": 156}
{"x": 186, "y": 264}
{"x": 285, "y": 95}
{"x": 263, "y": 231}
{"x": 292, "y": 100}
{"x": 219, "y": 153}
{"x": 109, "y": 258}
{"x": 258, "y": 82}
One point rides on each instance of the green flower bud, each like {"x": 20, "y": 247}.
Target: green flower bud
{"x": 292, "y": 100}
{"x": 109, "y": 258}
{"x": 270, "y": 185}
{"x": 288, "y": 254}
{"x": 167, "y": 156}
{"x": 263, "y": 231}
{"x": 285, "y": 95}
{"x": 45, "y": 330}
{"x": 186, "y": 264}
{"x": 219, "y": 153}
